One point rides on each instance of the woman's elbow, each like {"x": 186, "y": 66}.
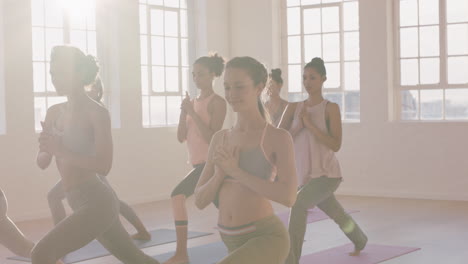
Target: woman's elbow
{"x": 290, "y": 201}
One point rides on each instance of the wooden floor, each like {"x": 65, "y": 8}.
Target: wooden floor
{"x": 439, "y": 228}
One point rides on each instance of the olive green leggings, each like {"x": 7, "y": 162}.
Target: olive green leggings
{"x": 268, "y": 244}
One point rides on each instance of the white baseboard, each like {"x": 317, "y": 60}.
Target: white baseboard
{"x": 406, "y": 195}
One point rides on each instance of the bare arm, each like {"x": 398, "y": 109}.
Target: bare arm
{"x": 333, "y": 138}
{"x": 283, "y": 190}
{"x": 101, "y": 162}
{"x": 218, "y": 114}
{"x": 44, "y": 158}
{"x": 182, "y": 127}
{"x": 287, "y": 119}
{"x": 211, "y": 178}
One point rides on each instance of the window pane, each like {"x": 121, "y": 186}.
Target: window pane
{"x": 330, "y": 1}
{"x": 158, "y": 79}
{"x": 183, "y": 3}
{"x": 77, "y": 21}
{"x": 157, "y": 22}
{"x": 457, "y": 10}
{"x": 333, "y": 75}
{"x": 294, "y": 78}
{"x": 91, "y": 17}
{"x": 457, "y": 39}
{"x": 428, "y": 12}
{"x": 144, "y": 50}
{"x": 294, "y": 24}
{"x": 144, "y": 80}
{"x": 310, "y": 2}
{"x": 172, "y": 79}
{"x": 352, "y": 76}
{"x": 351, "y": 16}
{"x": 431, "y": 104}
{"x": 40, "y": 110}
{"x": 351, "y": 46}
{"x": 38, "y": 44}
{"x": 49, "y": 85}
{"x": 172, "y": 51}
{"x": 185, "y": 79}
{"x": 352, "y": 106}
{"x": 331, "y": 47}
{"x": 143, "y": 20}
{"x": 145, "y": 111}
{"x": 184, "y": 51}
{"x": 312, "y": 47}
{"x": 409, "y": 72}
{"x": 409, "y": 105}
{"x": 158, "y": 110}
{"x": 171, "y": 23}
{"x": 330, "y": 19}
{"x": 157, "y": 50}
{"x": 292, "y": 2}
{"x": 39, "y": 76}
{"x": 458, "y": 70}
{"x": 92, "y": 43}
{"x": 408, "y": 13}
{"x": 54, "y": 37}
{"x": 294, "y": 49}
{"x": 408, "y": 42}
{"x": 456, "y": 104}
{"x": 429, "y": 71}
{"x": 78, "y": 39}
{"x": 429, "y": 41}
{"x": 37, "y": 12}
{"x": 183, "y": 23}
{"x": 53, "y": 100}
{"x": 297, "y": 97}
{"x": 336, "y": 98}
{"x": 312, "y": 21}
{"x": 53, "y": 13}
{"x": 155, "y": 2}
{"x": 171, "y": 3}
{"x": 173, "y": 109}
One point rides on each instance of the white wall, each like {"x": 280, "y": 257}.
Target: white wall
{"x": 2, "y": 75}
{"x": 379, "y": 157}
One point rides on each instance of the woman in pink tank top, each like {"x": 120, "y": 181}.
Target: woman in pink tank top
{"x": 199, "y": 120}
{"x": 315, "y": 125}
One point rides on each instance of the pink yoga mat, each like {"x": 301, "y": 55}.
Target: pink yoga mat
{"x": 313, "y": 215}
{"x": 372, "y": 254}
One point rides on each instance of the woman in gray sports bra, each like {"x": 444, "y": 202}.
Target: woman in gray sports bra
{"x": 249, "y": 166}
{"x": 78, "y": 134}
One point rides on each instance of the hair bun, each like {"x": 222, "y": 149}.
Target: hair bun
{"x": 317, "y": 60}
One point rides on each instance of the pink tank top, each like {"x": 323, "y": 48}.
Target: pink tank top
{"x": 196, "y": 144}
{"x": 313, "y": 158}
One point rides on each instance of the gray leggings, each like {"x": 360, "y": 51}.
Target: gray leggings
{"x": 95, "y": 216}
{"x": 10, "y": 236}
{"x": 57, "y": 194}
{"x": 319, "y": 192}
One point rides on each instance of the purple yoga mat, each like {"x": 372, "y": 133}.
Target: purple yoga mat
{"x": 313, "y": 215}
{"x": 372, "y": 254}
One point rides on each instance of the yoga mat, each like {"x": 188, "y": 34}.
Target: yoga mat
{"x": 205, "y": 254}
{"x": 313, "y": 215}
{"x": 372, "y": 254}
{"x": 96, "y": 250}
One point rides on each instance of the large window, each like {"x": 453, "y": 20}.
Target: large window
{"x": 328, "y": 29}
{"x": 57, "y": 22}
{"x": 432, "y": 59}
{"x": 164, "y": 60}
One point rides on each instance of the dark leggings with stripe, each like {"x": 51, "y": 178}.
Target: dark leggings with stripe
{"x": 95, "y": 216}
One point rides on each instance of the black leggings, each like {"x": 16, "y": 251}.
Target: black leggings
{"x": 188, "y": 184}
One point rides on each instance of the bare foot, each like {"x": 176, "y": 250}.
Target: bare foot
{"x": 142, "y": 236}
{"x": 358, "y": 248}
{"x": 178, "y": 260}
{"x": 355, "y": 253}
{"x": 59, "y": 262}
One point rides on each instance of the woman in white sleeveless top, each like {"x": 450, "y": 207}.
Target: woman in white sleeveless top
{"x": 315, "y": 125}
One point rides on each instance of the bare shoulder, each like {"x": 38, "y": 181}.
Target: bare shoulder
{"x": 332, "y": 109}
{"x": 97, "y": 111}
{"x": 54, "y": 111}
{"x": 218, "y": 100}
